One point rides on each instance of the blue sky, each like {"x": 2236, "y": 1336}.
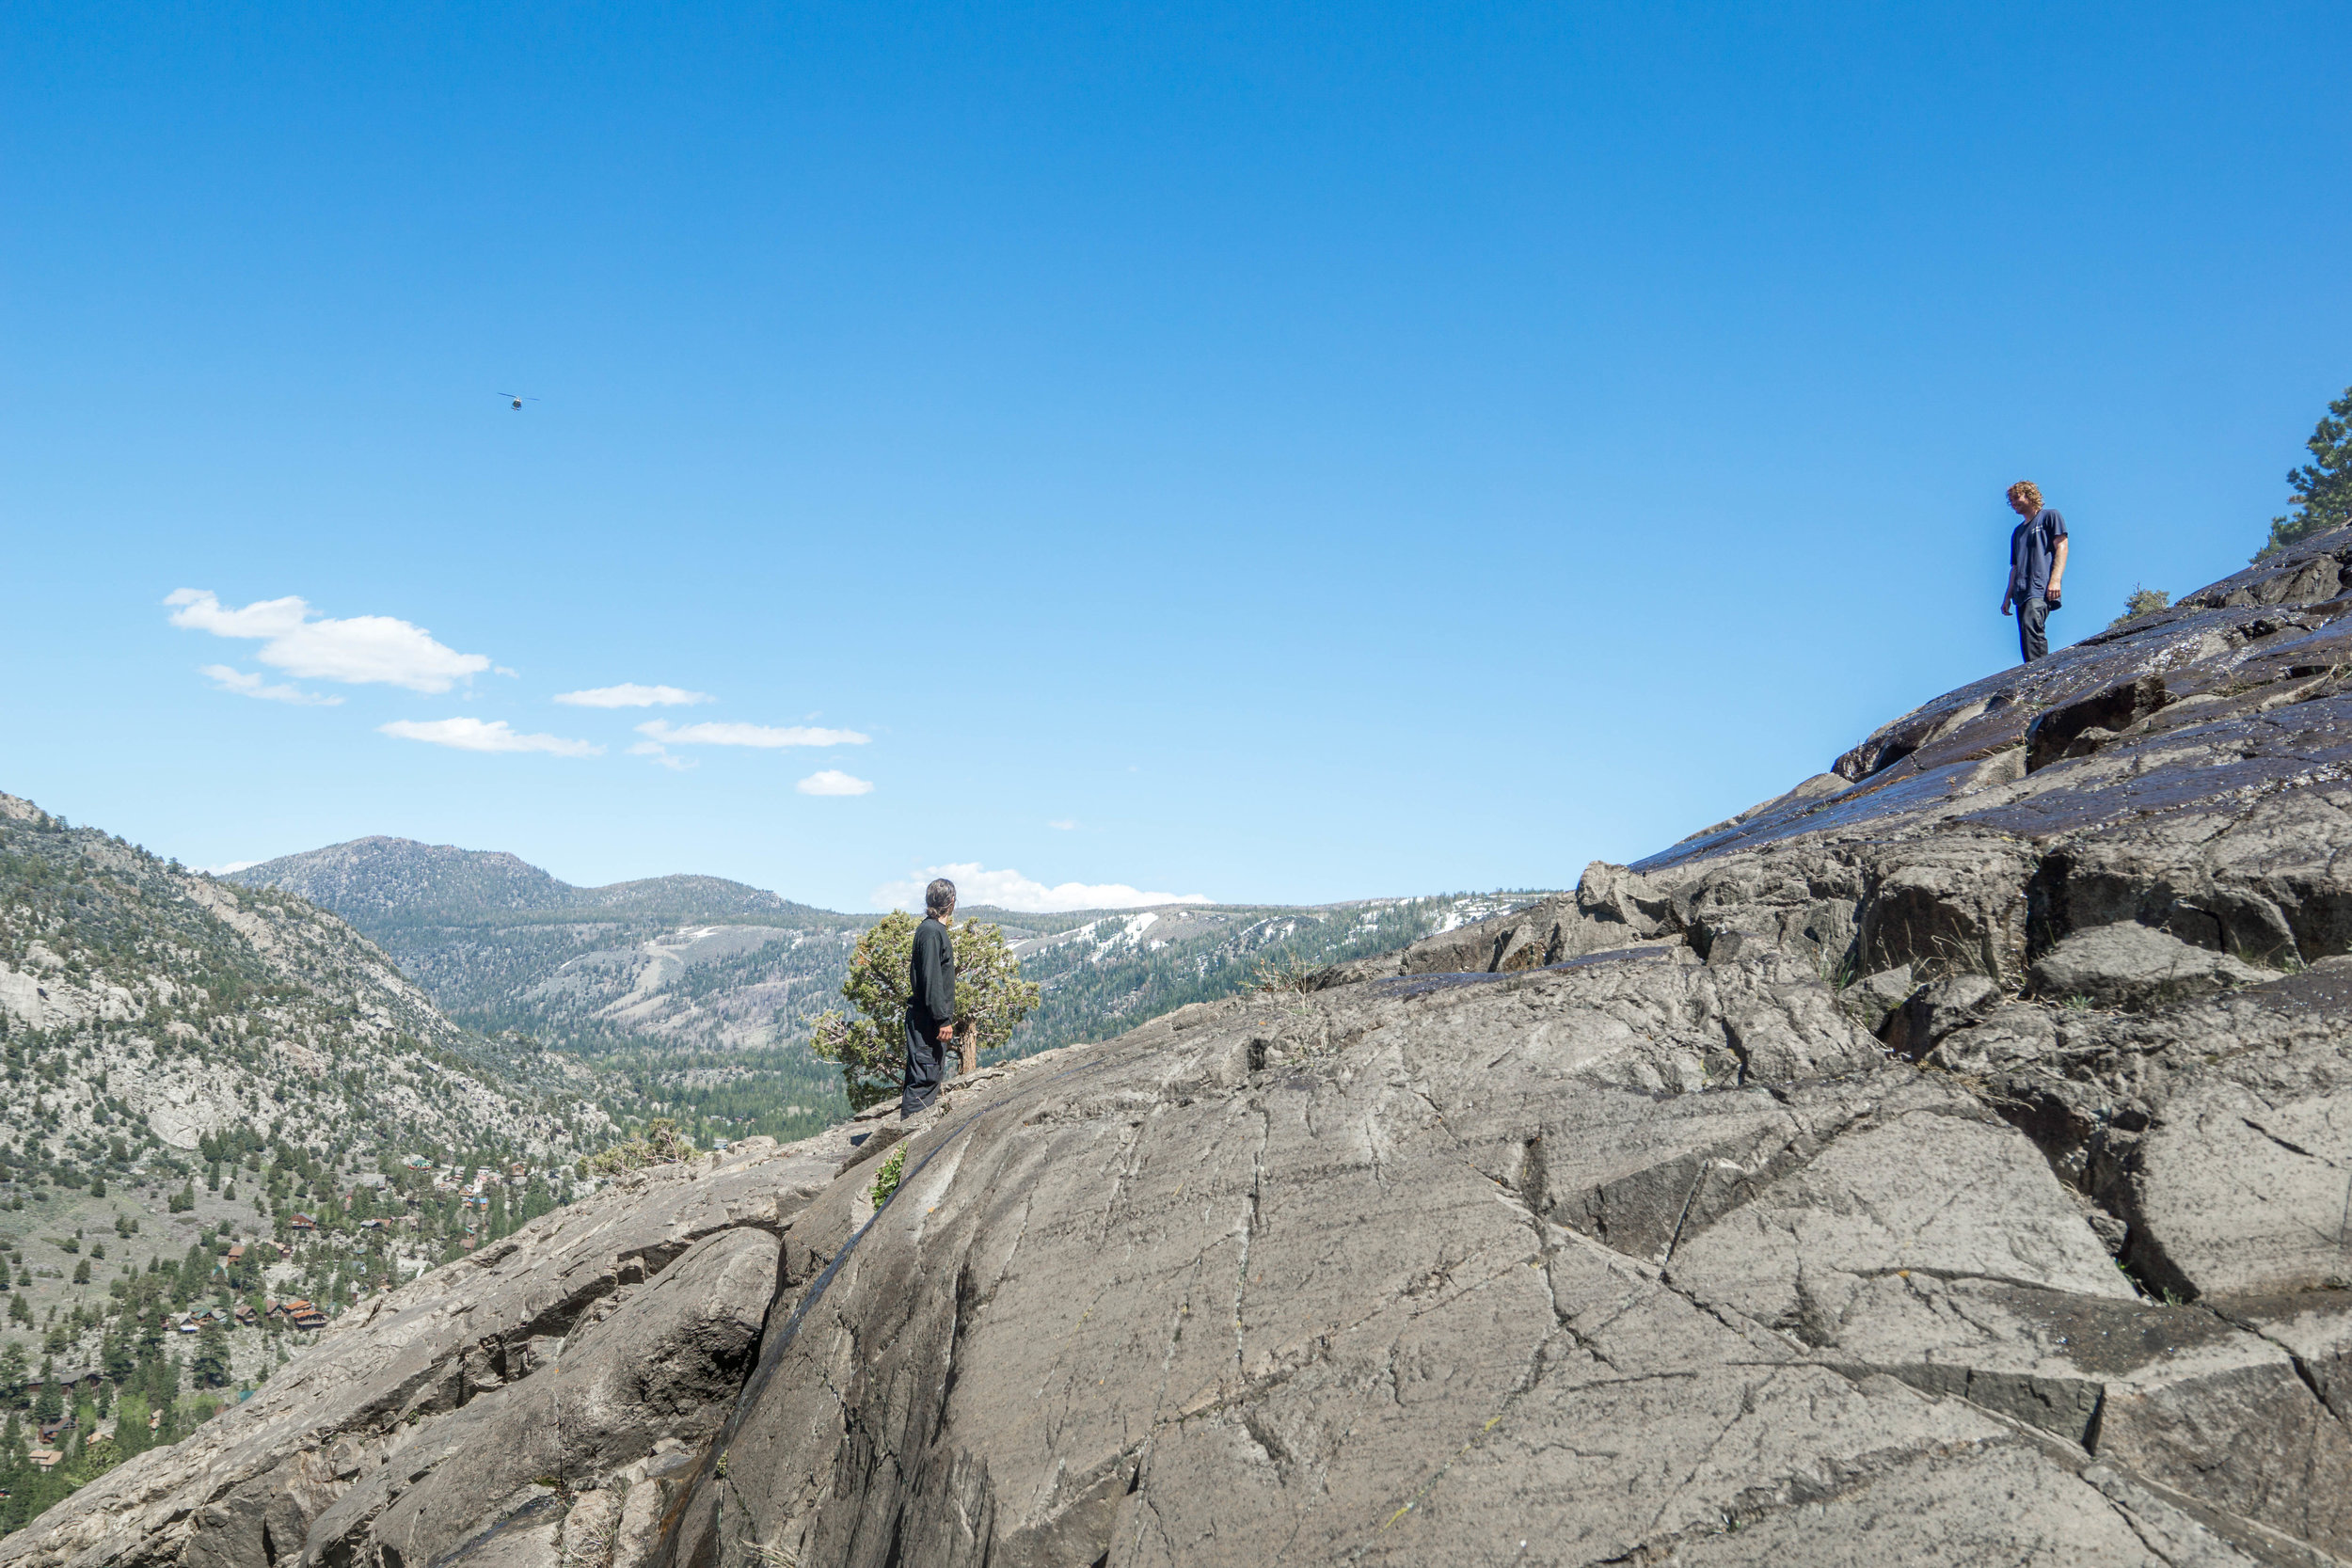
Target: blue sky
{"x": 1268, "y": 453}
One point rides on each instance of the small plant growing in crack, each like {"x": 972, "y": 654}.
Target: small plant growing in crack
{"x": 1284, "y": 975}
{"x": 769, "y": 1554}
{"x": 1948, "y": 957}
{"x": 591, "y": 1546}
{"x": 2078, "y": 1003}
{"x": 886, "y": 1179}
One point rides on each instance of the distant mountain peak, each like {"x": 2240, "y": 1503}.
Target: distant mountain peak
{"x": 385, "y": 877}
{"x": 380, "y": 875}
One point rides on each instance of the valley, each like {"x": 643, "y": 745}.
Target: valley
{"x": 235, "y": 1109}
{"x": 700, "y": 991}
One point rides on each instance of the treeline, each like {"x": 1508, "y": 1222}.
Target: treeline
{"x": 782, "y": 1092}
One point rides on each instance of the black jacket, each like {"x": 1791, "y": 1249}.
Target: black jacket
{"x": 931, "y": 975}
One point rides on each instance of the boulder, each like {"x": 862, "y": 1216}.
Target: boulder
{"x": 1932, "y": 1012}
{"x": 1870, "y": 999}
{"x": 2081, "y": 727}
{"x": 664, "y": 1364}
{"x": 2136, "y": 967}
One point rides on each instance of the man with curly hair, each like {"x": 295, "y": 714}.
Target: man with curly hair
{"x": 2037, "y": 564}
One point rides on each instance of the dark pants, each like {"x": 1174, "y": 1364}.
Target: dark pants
{"x": 2033, "y": 639}
{"x": 923, "y": 1067}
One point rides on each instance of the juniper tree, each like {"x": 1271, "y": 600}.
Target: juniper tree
{"x": 870, "y": 1045}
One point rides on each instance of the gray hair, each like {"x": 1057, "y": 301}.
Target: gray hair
{"x": 939, "y": 897}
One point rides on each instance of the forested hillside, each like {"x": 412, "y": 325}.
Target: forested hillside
{"x": 215, "y": 1099}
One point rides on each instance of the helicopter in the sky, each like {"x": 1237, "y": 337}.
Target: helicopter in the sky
{"x": 517, "y": 398}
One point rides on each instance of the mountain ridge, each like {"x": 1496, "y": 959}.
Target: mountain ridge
{"x": 394, "y": 877}
{"x": 733, "y": 977}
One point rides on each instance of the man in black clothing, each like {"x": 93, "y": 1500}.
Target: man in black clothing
{"x": 930, "y": 999}
{"x": 2037, "y": 564}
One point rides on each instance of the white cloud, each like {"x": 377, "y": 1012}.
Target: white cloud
{"x": 472, "y": 734}
{"x": 629, "y": 694}
{"x": 356, "y": 651}
{"x": 660, "y": 754}
{"x": 833, "y": 782}
{"x": 1064, "y": 824}
{"x": 224, "y": 870}
{"x": 1010, "y": 889}
{"x": 245, "y": 685}
{"x": 765, "y": 736}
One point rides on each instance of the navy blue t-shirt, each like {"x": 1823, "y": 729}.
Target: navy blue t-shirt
{"x": 2032, "y": 552}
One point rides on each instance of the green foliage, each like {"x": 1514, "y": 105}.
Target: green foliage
{"x": 781, "y": 1091}
{"x": 660, "y": 1144}
{"x": 894, "y": 1167}
{"x": 992, "y": 999}
{"x": 2141, "y": 601}
{"x": 96, "y": 1457}
{"x": 2323, "y": 488}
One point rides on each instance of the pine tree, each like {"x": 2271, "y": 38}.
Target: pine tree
{"x": 131, "y": 1413}
{"x": 2323, "y": 488}
{"x": 49, "y": 1404}
{"x": 209, "y": 1366}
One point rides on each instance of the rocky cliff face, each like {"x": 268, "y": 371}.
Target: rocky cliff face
{"x": 1948, "y": 1162}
